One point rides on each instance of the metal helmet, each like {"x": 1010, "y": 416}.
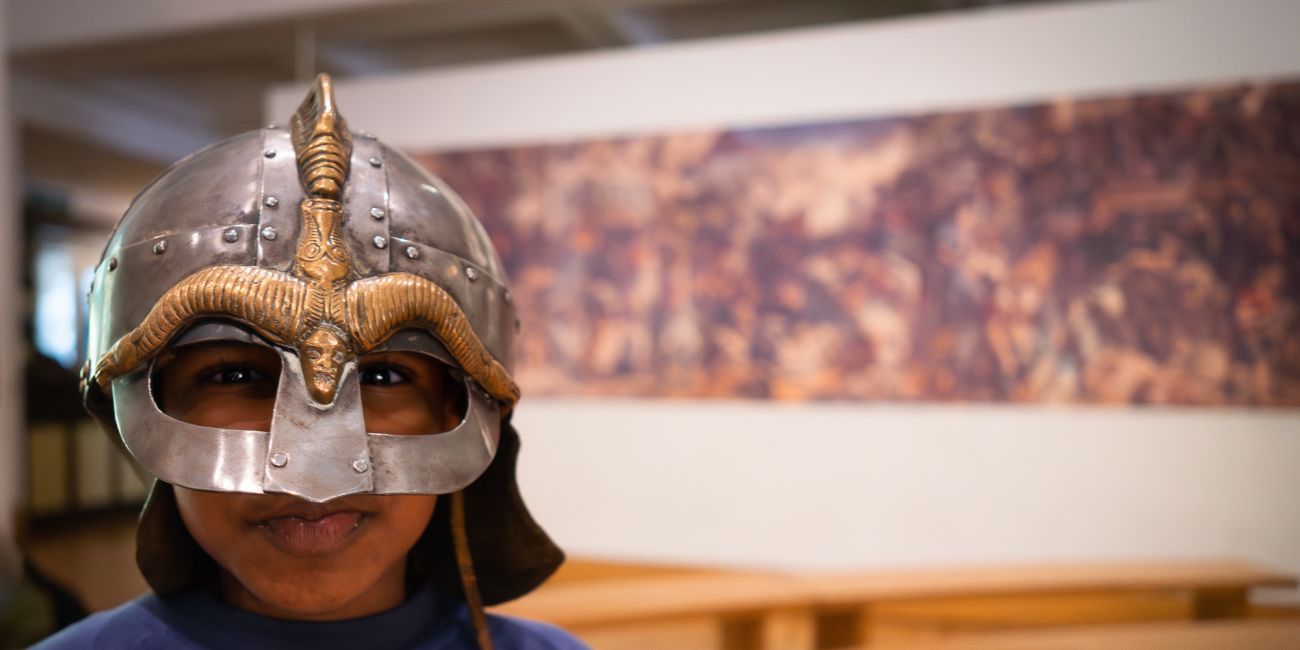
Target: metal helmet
{"x": 325, "y": 245}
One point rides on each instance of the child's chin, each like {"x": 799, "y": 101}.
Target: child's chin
{"x": 319, "y": 594}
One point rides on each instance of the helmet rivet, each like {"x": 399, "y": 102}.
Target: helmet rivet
{"x": 269, "y": 153}
{"x": 268, "y": 233}
{"x": 279, "y": 459}
{"x": 507, "y": 296}
{"x": 160, "y": 248}
{"x": 413, "y": 252}
{"x": 516, "y": 325}
{"x": 360, "y": 465}
{"x": 112, "y": 263}
{"x": 272, "y": 126}
{"x": 377, "y": 212}
{"x": 375, "y": 162}
{"x": 231, "y": 235}
{"x": 367, "y": 135}
{"x": 471, "y": 273}
{"x": 380, "y": 242}
{"x": 270, "y": 201}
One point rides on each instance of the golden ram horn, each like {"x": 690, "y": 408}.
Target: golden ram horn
{"x": 268, "y": 300}
{"x": 378, "y": 306}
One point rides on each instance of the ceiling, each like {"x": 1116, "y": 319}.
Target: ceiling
{"x": 149, "y": 81}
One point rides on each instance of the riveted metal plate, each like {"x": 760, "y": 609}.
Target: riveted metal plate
{"x": 426, "y": 210}
{"x": 211, "y": 188}
{"x": 367, "y": 189}
{"x": 214, "y": 186}
{"x": 482, "y": 300}
{"x": 142, "y": 276}
{"x": 279, "y": 179}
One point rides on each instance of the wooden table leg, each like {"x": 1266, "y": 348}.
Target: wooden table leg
{"x": 793, "y": 629}
{"x": 1229, "y": 602}
{"x": 863, "y": 630}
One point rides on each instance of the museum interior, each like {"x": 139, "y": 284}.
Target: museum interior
{"x": 837, "y": 323}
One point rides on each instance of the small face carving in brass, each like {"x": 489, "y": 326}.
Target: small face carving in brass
{"x": 322, "y": 356}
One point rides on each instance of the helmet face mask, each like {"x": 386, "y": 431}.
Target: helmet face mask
{"x": 377, "y": 256}
{"x": 329, "y": 447}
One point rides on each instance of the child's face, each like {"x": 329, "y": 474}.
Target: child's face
{"x": 284, "y": 556}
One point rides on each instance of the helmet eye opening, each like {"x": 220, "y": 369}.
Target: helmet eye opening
{"x": 410, "y": 392}
{"x": 226, "y": 384}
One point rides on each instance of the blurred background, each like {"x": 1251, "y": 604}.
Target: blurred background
{"x": 844, "y": 323}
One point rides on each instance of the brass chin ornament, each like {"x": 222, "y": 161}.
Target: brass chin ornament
{"x": 321, "y": 309}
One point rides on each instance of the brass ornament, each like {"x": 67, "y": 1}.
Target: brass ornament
{"x": 322, "y": 310}
{"x": 321, "y": 141}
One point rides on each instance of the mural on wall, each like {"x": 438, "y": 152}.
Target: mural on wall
{"x": 1118, "y": 251}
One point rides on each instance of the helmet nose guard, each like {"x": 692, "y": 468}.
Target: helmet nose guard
{"x": 317, "y": 452}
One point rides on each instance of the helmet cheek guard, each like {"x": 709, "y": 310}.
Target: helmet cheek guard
{"x": 377, "y": 255}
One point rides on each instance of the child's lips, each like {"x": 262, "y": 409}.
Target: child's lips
{"x": 309, "y": 537}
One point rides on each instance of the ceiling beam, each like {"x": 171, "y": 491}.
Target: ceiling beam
{"x": 107, "y": 121}
{"x": 54, "y": 24}
{"x": 594, "y": 28}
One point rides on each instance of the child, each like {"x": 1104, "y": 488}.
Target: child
{"x": 307, "y": 340}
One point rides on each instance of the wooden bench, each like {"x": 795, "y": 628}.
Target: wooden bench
{"x": 1179, "y": 635}
{"x": 802, "y": 612}
{"x": 931, "y": 603}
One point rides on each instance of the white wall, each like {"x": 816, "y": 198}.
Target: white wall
{"x": 833, "y": 486}
{"x": 843, "y": 486}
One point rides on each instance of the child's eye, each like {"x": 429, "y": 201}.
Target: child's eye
{"x": 236, "y": 375}
{"x": 381, "y": 376}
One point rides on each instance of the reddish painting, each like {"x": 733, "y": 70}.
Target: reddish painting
{"x": 1141, "y": 250}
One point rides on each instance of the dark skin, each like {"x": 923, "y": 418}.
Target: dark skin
{"x": 360, "y": 567}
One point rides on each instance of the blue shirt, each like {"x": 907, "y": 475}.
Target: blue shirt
{"x": 193, "y": 620}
